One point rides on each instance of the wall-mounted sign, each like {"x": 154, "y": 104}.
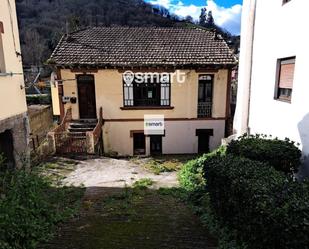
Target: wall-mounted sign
{"x": 154, "y": 124}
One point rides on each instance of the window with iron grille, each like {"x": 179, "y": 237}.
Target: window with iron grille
{"x": 148, "y": 93}
{"x": 285, "y": 79}
{"x": 205, "y": 96}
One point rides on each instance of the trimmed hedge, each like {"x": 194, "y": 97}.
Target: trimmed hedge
{"x": 258, "y": 203}
{"x": 281, "y": 154}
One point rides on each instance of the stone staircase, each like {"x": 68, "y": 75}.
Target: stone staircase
{"x": 78, "y": 128}
{"x": 83, "y": 136}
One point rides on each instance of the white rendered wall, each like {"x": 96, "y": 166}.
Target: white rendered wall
{"x": 280, "y": 31}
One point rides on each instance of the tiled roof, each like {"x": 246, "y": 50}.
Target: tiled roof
{"x": 125, "y": 46}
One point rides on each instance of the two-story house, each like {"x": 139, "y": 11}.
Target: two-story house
{"x": 272, "y": 88}
{"x": 13, "y": 108}
{"x": 185, "y": 76}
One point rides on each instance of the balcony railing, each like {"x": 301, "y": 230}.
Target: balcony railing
{"x": 204, "y": 110}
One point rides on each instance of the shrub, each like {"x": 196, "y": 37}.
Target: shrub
{"x": 190, "y": 175}
{"x": 263, "y": 207}
{"x": 43, "y": 99}
{"x": 30, "y": 208}
{"x": 281, "y": 154}
{"x": 143, "y": 183}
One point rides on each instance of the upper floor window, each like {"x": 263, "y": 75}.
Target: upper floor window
{"x": 285, "y": 80}
{"x": 285, "y": 1}
{"x": 2, "y": 64}
{"x": 205, "y": 96}
{"x": 147, "y": 90}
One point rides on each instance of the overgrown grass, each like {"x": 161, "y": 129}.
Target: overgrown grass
{"x": 162, "y": 164}
{"x": 143, "y": 183}
{"x": 31, "y": 206}
{"x": 55, "y": 169}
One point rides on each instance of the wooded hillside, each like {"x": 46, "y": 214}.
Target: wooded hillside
{"x": 43, "y": 22}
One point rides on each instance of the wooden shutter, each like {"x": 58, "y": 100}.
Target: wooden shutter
{"x": 287, "y": 73}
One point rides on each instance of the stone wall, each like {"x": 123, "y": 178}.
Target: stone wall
{"x": 18, "y": 125}
{"x": 41, "y": 122}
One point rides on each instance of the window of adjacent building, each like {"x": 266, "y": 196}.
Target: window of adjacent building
{"x": 2, "y": 64}
{"x": 153, "y": 91}
{"x": 286, "y": 69}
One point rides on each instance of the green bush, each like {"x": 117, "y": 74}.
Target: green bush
{"x": 281, "y": 154}
{"x": 258, "y": 204}
{"x": 43, "y": 99}
{"x": 190, "y": 175}
{"x": 30, "y": 208}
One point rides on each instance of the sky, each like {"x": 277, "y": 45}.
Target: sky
{"x": 227, "y": 13}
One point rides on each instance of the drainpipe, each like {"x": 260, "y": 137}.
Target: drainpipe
{"x": 242, "y": 114}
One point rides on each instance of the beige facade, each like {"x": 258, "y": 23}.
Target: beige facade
{"x": 181, "y": 118}
{"x": 13, "y": 108}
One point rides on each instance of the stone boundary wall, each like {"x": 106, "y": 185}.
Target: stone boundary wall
{"x": 18, "y": 125}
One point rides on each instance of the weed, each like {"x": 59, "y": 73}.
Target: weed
{"x": 143, "y": 183}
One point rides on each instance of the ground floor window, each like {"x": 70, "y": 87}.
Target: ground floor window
{"x": 155, "y": 145}
{"x": 139, "y": 144}
{"x": 6, "y": 149}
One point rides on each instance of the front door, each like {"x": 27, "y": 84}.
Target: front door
{"x": 86, "y": 97}
{"x": 156, "y": 145}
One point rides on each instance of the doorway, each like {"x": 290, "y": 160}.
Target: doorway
{"x": 205, "y": 96}
{"x": 6, "y": 149}
{"x": 156, "y": 145}
{"x": 203, "y": 140}
{"x": 203, "y": 144}
{"x": 139, "y": 144}
{"x": 86, "y": 97}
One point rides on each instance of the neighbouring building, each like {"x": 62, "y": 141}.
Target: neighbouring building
{"x": 13, "y": 108}
{"x": 272, "y": 88}
{"x": 190, "y": 71}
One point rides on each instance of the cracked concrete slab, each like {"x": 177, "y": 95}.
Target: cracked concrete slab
{"x": 108, "y": 172}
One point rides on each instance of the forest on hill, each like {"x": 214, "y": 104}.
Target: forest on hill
{"x": 43, "y": 22}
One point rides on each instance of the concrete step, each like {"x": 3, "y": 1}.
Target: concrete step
{"x": 85, "y": 121}
{"x": 81, "y": 125}
{"x": 77, "y": 135}
{"x": 80, "y": 129}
